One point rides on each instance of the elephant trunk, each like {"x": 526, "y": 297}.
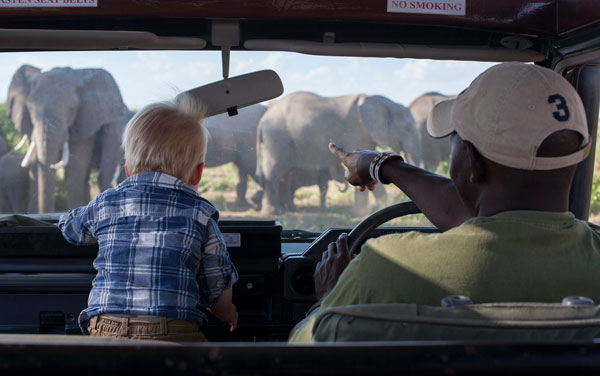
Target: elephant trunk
{"x": 343, "y": 187}
{"x": 46, "y": 181}
{"x": 46, "y": 145}
{"x": 412, "y": 149}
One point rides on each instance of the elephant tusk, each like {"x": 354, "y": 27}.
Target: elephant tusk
{"x": 24, "y": 139}
{"x": 65, "y": 157}
{"x": 28, "y": 155}
{"x": 115, "y": 179}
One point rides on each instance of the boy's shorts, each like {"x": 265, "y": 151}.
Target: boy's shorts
{"x": 145, "y": 327}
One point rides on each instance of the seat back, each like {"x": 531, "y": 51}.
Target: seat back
{"x": 490, "y": 321}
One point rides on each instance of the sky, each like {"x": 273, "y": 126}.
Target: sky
{"x": 148, "y": 76}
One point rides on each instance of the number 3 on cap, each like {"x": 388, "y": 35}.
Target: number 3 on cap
{"x": 561, "y": 105}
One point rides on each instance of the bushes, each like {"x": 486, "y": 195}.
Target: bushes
{"x": 8, "y": 131}
{"x": 595, "y": 199}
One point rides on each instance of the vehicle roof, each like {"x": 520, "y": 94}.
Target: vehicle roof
{"x": 536, "y": 17}
{"x": 551, "y": 28}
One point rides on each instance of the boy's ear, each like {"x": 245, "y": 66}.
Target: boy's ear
{"x": 197, "y": 174}
{"x": 126, "y": 170}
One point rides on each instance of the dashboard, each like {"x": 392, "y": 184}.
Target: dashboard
{"x": 45, "y": 281}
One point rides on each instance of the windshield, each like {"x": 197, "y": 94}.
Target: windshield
{"x": 75, "y": 105}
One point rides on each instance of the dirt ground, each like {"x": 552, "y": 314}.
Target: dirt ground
{"x": 219, "y": 188}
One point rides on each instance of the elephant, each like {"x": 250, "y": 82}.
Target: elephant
{"x": 14, "y": 184}
{"x": 301, "y": 178}
{"x": 233, "y": 139}
{"x": 119, "y": 173}
{"x": 433, "y": 150}
{"x": 74, "y": 118}
{"x": 294, "y": 133}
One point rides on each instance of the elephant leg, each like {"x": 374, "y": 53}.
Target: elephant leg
{"x": 241, "y": 186}
{"x": 19, "y": 194}
{"x": 271, "y": 203}
{"x": 111, "y": 158}
{"x": 5, "y": 207}
{"x": 20, "y": 198}
{"x": 14, "y": 199}
{"x": 361, "y": 203}
{"x": 380, "y": 195}
{"x": 77, "y": 172}
{"x": 323, "y": 182}
{"x": 286, "y": 193}
{"x": 257, "y": 199}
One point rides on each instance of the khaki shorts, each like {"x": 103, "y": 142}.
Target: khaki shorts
{"x": 145, "y": 327}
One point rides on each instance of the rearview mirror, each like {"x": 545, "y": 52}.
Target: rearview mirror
{"x": 236, "y": 92}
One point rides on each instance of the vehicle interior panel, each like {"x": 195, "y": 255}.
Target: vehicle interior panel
{"x": 303, "y": 46}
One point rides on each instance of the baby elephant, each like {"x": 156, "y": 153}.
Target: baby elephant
{"x": 14, "y": 184}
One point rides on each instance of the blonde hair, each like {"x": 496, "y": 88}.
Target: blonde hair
{"x": 167, "y": 137}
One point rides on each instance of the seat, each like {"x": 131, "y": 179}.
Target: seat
{"x": 489, "y": 321}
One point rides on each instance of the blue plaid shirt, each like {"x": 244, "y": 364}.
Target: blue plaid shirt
{"x": 160, "y": 250}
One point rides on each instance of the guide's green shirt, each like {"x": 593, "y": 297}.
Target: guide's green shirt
{"x": 511, "y": 256}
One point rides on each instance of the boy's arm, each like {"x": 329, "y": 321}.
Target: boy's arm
{"x": 225, "y": 310}
{"x": 217, "y": 274}
{"x": 78, "y": 225}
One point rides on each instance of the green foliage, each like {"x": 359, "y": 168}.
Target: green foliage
{"x": 219, "y": 179}
{"x": 219, "y": 201}
{"x": 8, "y": 131}
{"x": 223, "y": 186}
{"x": 443, "y": 168}
{"x": 303, "y": 194}
{"x": 217, "y": 185}
{"x": 595, "y": 204}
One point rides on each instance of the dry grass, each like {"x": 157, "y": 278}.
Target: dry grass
{"x": 219, "y": 188}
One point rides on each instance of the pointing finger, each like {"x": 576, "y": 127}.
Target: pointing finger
{"x": 336, "y": 150}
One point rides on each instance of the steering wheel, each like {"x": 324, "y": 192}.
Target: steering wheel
{"x": 359, "y": 233}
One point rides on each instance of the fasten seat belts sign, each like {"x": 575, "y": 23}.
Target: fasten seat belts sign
{"x": 444, "y": 7}
{"x": 47, "y": 3}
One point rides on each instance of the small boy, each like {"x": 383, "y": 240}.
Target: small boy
{"x": 161, "y": 254}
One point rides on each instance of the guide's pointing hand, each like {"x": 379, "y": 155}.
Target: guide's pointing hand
{"x": 357, "y": 166}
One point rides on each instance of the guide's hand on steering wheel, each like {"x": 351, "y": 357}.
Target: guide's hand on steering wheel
{"x": 333, "y": 262}
{"x": 357, "y": 165}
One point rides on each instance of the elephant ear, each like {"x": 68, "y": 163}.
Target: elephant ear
{"x": 100, "y": 103}
{"x": 376, "y": 116}
{"x": 390, "y": 125}
{"x": 20, "y": 86}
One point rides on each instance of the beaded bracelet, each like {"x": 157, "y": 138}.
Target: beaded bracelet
{"x": 378, "y": 162}
{"x": 374, "y": 163}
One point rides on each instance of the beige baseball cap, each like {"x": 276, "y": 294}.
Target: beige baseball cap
{"x": 509, "y": 110}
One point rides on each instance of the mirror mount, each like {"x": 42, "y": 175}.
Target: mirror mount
{"x": 225, "y": 52}
{"x": 231, "y": 94}
{"x": 225, "y": 34}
